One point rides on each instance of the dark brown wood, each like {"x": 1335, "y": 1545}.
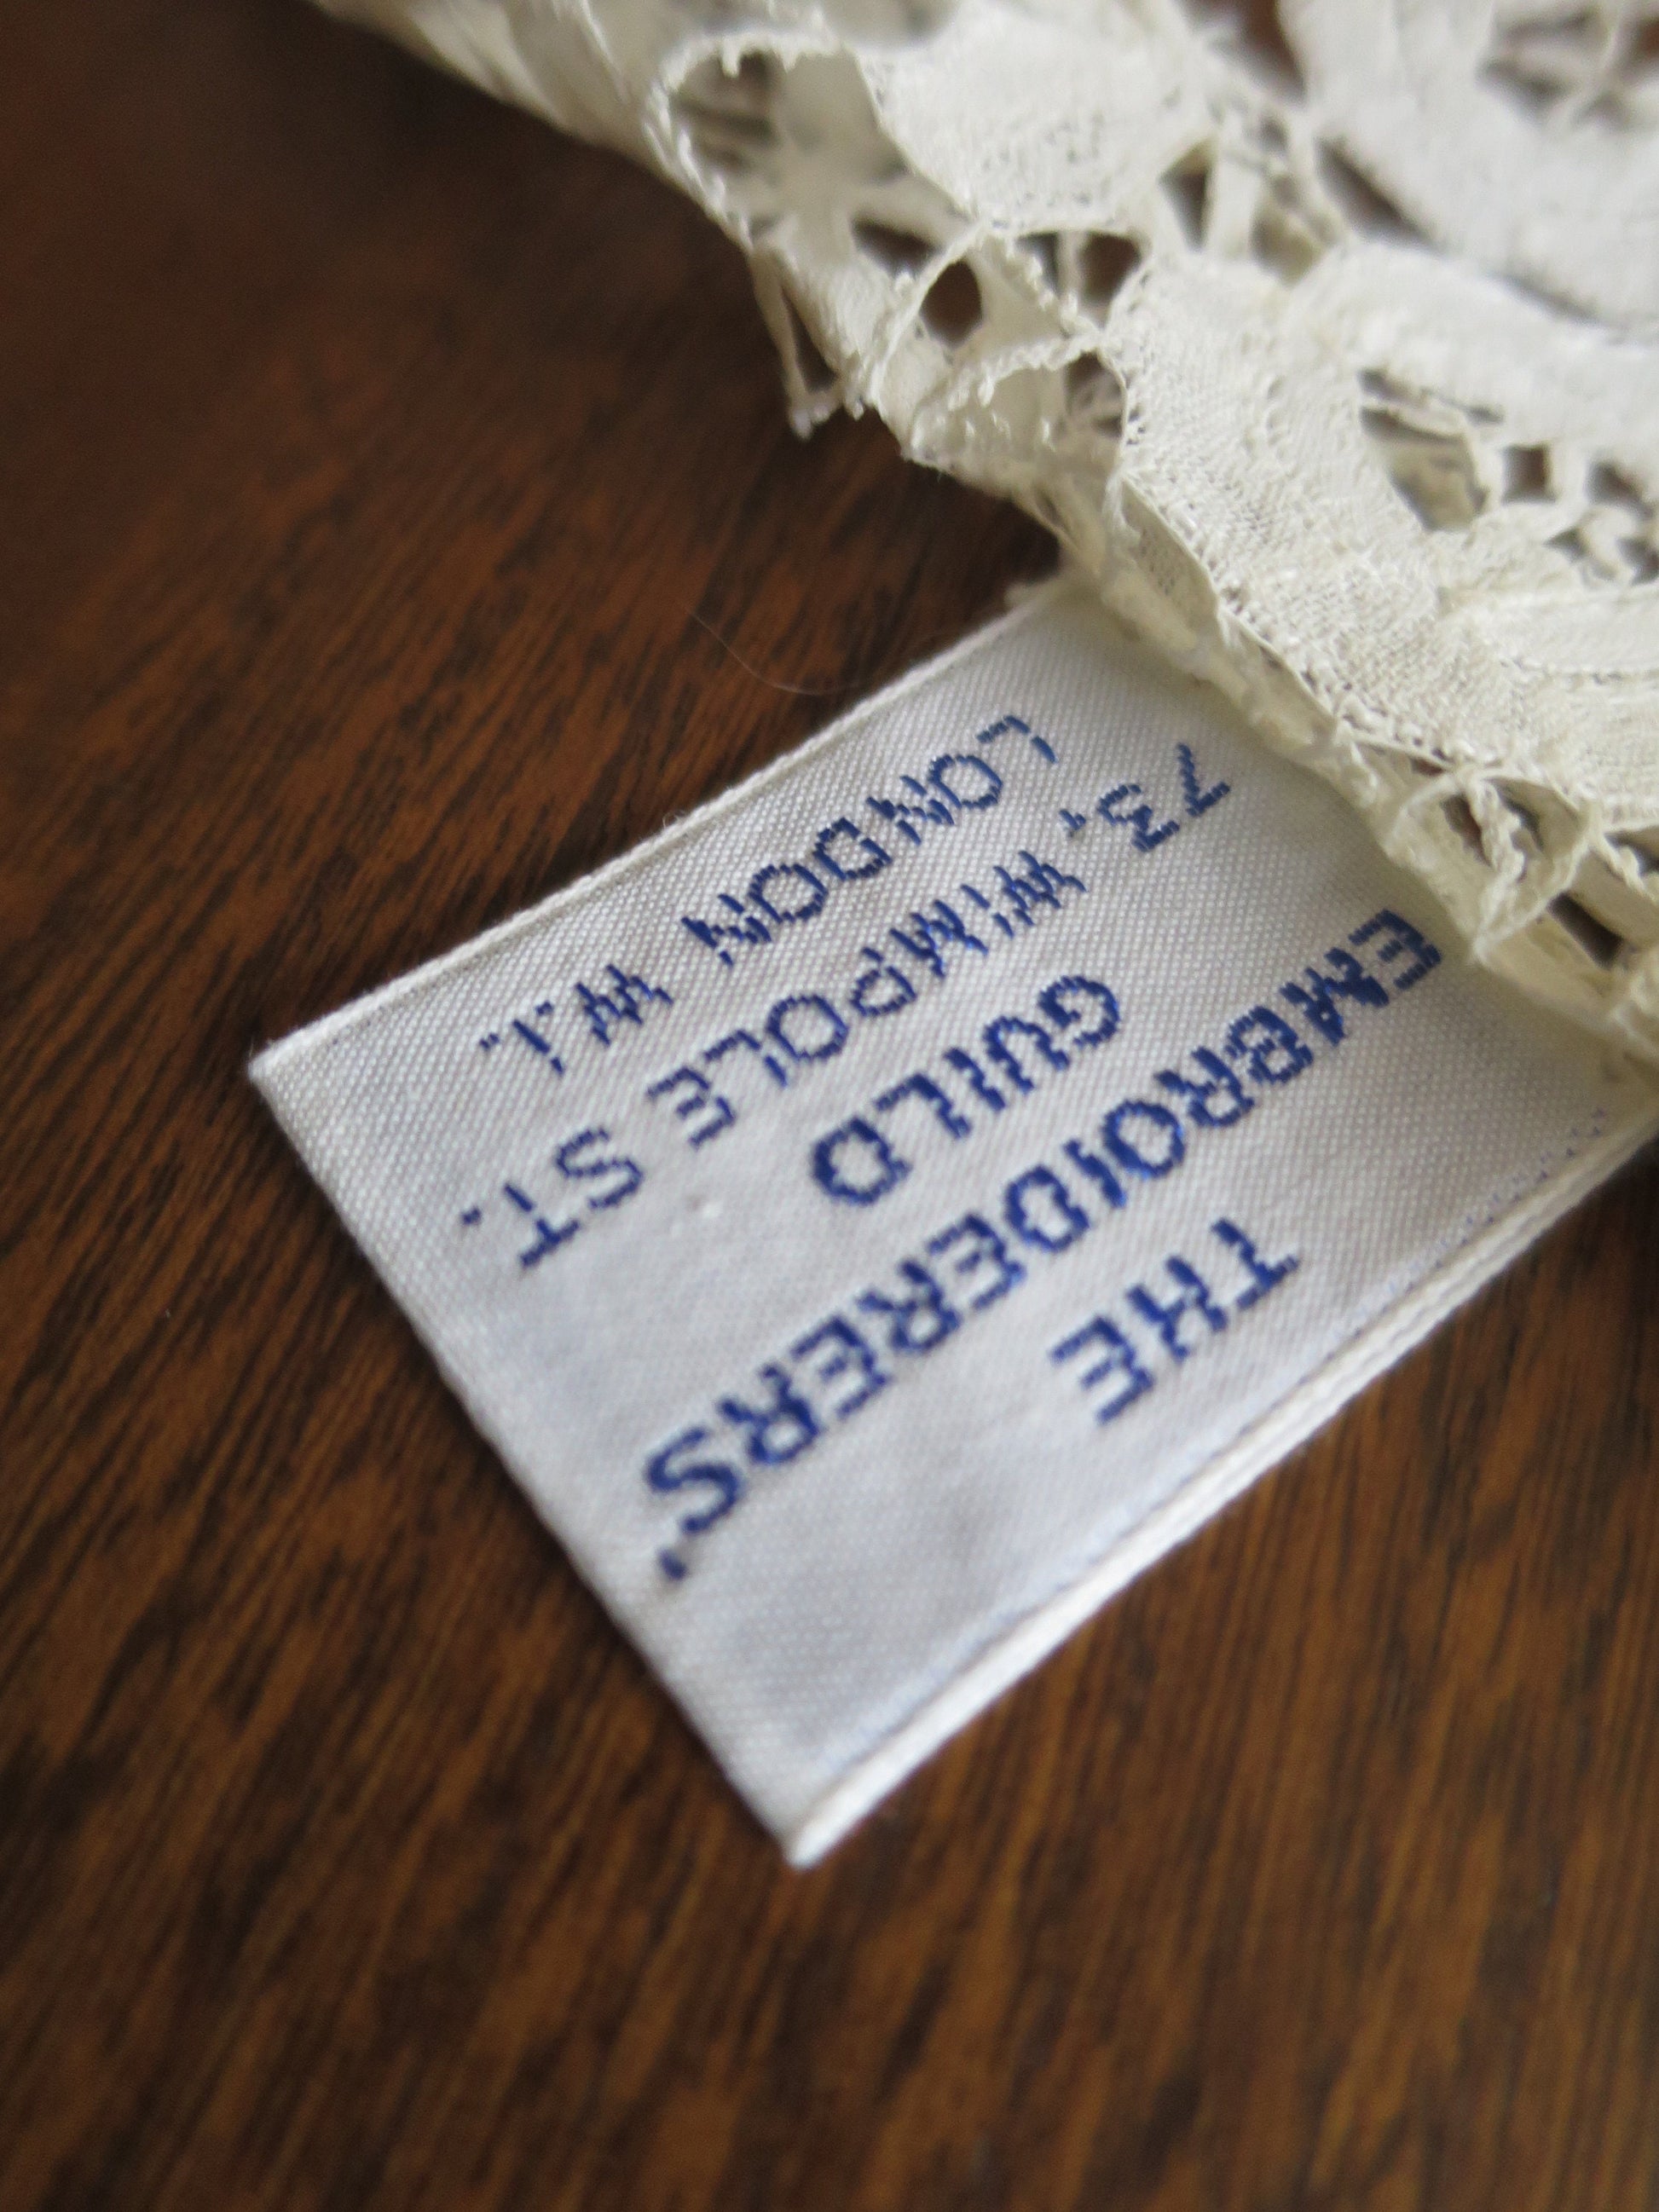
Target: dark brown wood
{"x": 397, "y": 518}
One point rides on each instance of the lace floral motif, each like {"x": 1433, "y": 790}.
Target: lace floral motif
{"x": 1334, "y": 362}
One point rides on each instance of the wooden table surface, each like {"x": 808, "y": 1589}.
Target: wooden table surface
{"x": 396, "y": 518}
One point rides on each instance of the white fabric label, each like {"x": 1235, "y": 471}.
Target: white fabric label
{"x": 881, "y": 1215}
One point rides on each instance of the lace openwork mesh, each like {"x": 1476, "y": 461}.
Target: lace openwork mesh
{"x": 1331, "y": 352}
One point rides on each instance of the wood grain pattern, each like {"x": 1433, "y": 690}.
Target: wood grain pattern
{"x": 394, "y": 503}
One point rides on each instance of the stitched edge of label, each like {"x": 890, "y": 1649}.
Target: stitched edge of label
{"x": 1014, "y": 1648}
